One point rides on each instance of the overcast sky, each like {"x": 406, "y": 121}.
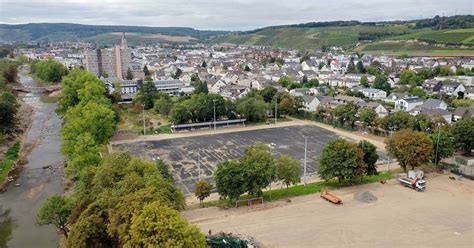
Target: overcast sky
{"x": 223, "y": 14}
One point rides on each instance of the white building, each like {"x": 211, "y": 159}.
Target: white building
{"x": 373, "y": 93}
{"x": 407, "y": 103}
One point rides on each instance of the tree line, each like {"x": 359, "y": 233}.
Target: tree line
{"x": 8, "y": 102}
{"x": 118, "y": 200}
{"x": 199, "y": 107}
{"x": 258, "y": 168}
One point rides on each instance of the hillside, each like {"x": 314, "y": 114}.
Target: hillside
{"x": 100, "y": 34}
{"x": 411, "y": 36}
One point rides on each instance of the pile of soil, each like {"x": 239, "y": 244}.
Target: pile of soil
{"x": 365, "y": 197}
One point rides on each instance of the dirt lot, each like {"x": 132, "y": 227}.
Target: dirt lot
{"x": 442, "y": 216}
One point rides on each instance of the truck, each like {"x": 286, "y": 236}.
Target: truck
{"x": 413, "y": 179}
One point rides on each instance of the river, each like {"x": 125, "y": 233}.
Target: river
{"x": 36, "y": 181}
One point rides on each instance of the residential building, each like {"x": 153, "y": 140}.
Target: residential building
{"x": 373, "y": 94}
{"x": 407, "y": 103}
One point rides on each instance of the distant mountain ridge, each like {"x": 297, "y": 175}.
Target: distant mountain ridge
{"x": 71, "y": 32}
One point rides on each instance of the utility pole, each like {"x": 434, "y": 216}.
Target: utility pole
{"x": 276, "y": 112}
{"x": 390, "y": 130}
{"x": 437, "y": 146}
{"x": 305, "y": 148}
{"x": 143, "y": 115}
{"x": 214, "y": 114}
{"x": 199, "y": 166}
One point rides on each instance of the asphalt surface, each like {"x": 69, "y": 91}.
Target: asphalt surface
{"x": 184, "y": 154}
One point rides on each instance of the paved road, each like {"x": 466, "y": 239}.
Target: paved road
{"x": 36, "y": 183}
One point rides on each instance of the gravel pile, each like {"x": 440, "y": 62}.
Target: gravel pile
{"x": 366, "y": 197}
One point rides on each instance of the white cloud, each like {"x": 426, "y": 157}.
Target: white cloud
{"x": 222, "y": 14}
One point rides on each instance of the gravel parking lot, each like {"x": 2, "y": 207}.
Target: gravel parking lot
{"x": 183, "y": 154}
{"x": 372, "y": 215}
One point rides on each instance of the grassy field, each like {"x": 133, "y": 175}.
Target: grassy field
{"x": 133, "y": 122}
{"x": 412, "y": 49}
{"x": 299, "y": 190}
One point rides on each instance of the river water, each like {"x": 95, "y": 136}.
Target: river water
{"x": 41, "y": 176}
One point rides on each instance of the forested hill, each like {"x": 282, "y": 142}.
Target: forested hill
{"x": 438, "y": 31}
{"x": 99, "y": 33}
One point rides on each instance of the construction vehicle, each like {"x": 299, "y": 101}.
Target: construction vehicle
{"x": 330, "y": 197}
{"x": 414, "y": 180}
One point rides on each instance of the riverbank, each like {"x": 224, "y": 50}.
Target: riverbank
{"x": 40, "y": 177}
{"x": 24, "y": 120}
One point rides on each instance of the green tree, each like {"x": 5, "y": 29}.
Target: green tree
{"x": 160, "y": 226}
{"x": 178, "y": 73}
{"x": 268, "y": 93}
{"x": 360, "y": 67}
{"x": 443, "y": 145}
{"x": 96, "y": 119}
{"x": 70, "y": 86}
{"x": 202, "y": 190}
{"x": 145, "y": 71}
{"x": 129, "y": 75}
{"x": 230, "y": 180}
{"x": 398, "y": 120}
{"x": 370, "y": 156}
{"x": 55, "y": 211}
{"x": 164, "y": 104}
{"x": 49, "y": 70}
{"x": 285, "y": 81}
{"x": 9, "y": 71}
{"x": 341, "y": 159}
{"x": 381, "y": 82}
{"x": 364, "y": 81}
{"x": 288, "y": 104}
{"x": 200, "y": 87}
{"x": 367, "y": 116}
{"x": 164, "y": 170}
{"x": 148, "y": 94}
{"x": 86, "y": 154}
{"x": 8, "y": 111}
{"x": 112, "y": 194}
{"x": 346, "y": 113}
{"x": 351, "y": 67}
{"x": 247, "y": 68}
{"x": 259, "y": 168}
{"x": 287, "y": 170}
{"x": 180, "y": 114}
{"x": 416, "y": 91}
{"x": 411, "y": 148}
{"x": 463, "y": 133}
{"x": 253, "y": 109}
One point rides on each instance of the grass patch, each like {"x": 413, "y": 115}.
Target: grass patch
{"x": 299, "y": 190}
{"x": 10, "y": 156}
{"x": 49, "y": 99}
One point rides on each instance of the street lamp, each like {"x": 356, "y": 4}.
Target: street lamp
{"x": 143, "y": 115}
{"x": 276, "y": 104}
{"x": 437, "y": 146}
{"x": 305, "y": 149}
{"x": 199, "y": 166}
{"x": 214, "y": 101}
{"x": 272, "y": 147}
